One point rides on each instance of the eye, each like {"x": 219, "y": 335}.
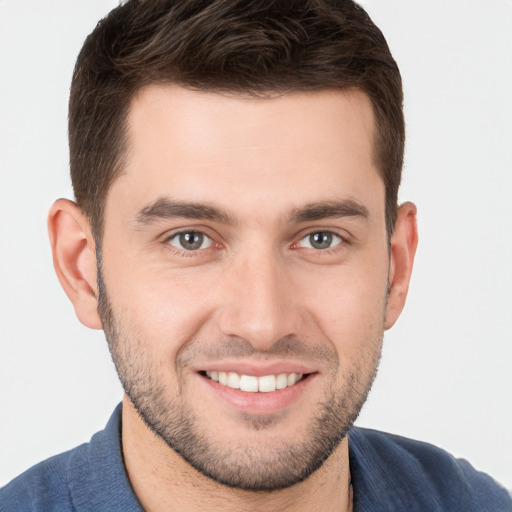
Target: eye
{"x": 320, "y": 240}
{"x": 190, "y": 240}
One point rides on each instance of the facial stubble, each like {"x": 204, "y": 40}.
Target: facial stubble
{"x": 261, "y": 467}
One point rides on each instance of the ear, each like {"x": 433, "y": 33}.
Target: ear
{"x": 403, "y": 248}
{"x": 74, "y": 259}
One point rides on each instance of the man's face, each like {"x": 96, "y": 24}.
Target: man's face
{"x": 245, "y": 246}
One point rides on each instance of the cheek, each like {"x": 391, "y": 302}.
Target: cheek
{"x": 162, "y": 308}
{"x": 349, "y": 312}
{"x": 354, "y": 326}
{"x": 349, "y": 302}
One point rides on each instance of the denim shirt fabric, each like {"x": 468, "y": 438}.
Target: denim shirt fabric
{"x": 389, "y": 473}
{"x": 91, "y": 477}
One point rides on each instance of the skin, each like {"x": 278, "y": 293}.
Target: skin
{"x": 256, "y": 297}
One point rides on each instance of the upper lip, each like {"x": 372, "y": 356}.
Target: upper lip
{"x": 257, "y": 369}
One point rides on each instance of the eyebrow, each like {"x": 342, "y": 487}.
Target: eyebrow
{"x": 329, "y": 209}
{"x": 165, "y": 208}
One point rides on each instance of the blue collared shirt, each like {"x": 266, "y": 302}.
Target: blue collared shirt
{"x": 389, "y": 473}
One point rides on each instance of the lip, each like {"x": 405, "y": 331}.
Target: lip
{"x": 258, "y": 403}
{"x": 257, "y": 369}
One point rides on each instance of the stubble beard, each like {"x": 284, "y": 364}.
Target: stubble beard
{"x": 252, "y": 468}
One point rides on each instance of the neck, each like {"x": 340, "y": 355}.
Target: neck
{"x": 162, "y": 480}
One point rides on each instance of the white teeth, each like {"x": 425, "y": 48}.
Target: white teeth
{"x": 249, "y": 383}
{"x": 292, "y": 379}
{"x": 213, "y": 375}
{"x": 233, "y": 380}
{"x": 252, "y": 384}
{"x": 267, "y": 383}
{"x": 281, "y": 381}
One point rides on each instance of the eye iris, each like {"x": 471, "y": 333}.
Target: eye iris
{"x": 320, "y": 240}
{"x": 191, "y": 240}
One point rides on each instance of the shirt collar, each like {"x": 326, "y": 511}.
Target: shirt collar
{"x": 96, "y": 474}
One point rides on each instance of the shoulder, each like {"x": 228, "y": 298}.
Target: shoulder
{"x": 89, "y": 477}
{"x": 42, "y": 487}
{"x": 419, "y": 476}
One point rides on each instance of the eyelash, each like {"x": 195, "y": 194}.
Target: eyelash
{"x": 296, "y": 245}
{"x": 333, "y": 236}
{"x": 180, "y": 251}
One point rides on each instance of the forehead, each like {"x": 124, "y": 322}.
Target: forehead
{"x": 287, "y": 150}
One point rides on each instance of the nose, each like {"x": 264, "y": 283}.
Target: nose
{"x": 259, "y": 302}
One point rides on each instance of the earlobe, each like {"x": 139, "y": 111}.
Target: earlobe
{"x": 403, "y": 248}
{"x": 74, "y": 259}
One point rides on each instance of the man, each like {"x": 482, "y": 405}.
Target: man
{"x": 237, "y": 236}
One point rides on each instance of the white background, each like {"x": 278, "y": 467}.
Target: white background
{"x": 446, "y": 371}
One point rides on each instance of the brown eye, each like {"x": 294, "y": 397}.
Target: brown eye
{"x": 320, "y": 240}
{"x": 190, "y": 240}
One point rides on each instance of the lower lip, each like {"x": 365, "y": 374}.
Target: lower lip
{"x": 260, "y": 403}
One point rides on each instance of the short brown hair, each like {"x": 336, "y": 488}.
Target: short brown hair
{"x": 258, "y": 47}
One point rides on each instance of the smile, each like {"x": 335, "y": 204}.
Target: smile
{"x": 253, "y": 384}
